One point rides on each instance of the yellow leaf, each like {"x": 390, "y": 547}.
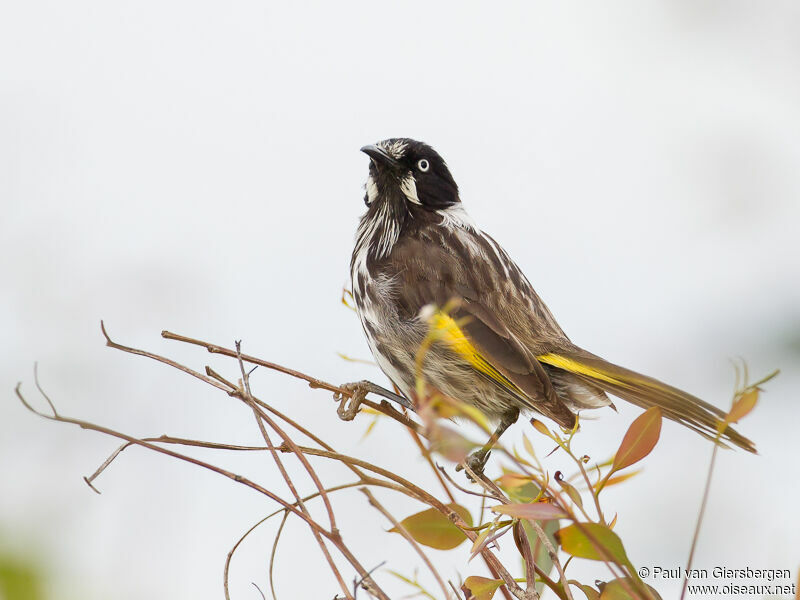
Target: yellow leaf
{"x": 626, "y": 589}
{"x": 433, "y": 529}
{"x": 447, "y": 408}
{"x": 620, "y": 478}
{"x": 513, "y": 481}
{"x": 369, "y": 428}
{"x": 476, "y": 545}
{"x": 639, "y": 440}
{"x": 593, "y": 541}
{"x": 528, "y": 446}
{"x": 541, "y": 428}
{"x": 742, "y": 406}
{"x": 590, "y": 592}
{"x": 480, "y": 588}
{"x": 355, "y": 360}
{"x": 347, "y": 298}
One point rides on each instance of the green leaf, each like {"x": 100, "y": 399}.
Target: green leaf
{"x": 582, "y": 540}
{"x": 572, "y": 492}
{"x": 616, "y": 590}
{"x": 20, "y": 579}
{"x": 433, "y": 529}
{"x": 538, "y": 511}
{"x": 480, "y": 588}
{"x": 639, "y": 440}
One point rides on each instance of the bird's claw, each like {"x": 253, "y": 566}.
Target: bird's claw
{"x": 476, "y": 463}
{"x": 349, "y": 405}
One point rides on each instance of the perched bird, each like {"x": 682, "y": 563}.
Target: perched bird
{"x": 417, "y": 252}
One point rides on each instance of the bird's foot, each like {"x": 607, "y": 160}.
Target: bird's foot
{"x": 349, "y": 405}
{"x": 476, "y": 463}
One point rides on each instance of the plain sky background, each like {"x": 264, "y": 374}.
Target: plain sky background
{"x": 194, "y": 166}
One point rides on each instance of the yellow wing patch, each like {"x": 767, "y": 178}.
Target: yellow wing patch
{"x": 446, "y": 330}
{"x": 573, "y": 366}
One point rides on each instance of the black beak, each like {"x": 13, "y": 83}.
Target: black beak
{"x": 379, "y": 156}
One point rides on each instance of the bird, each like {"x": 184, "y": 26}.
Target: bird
{"x": 420, "y": 263}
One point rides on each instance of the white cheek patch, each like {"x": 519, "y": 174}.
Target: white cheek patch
{"x": 408, "y": 185}
{"x": 372, "y": 190}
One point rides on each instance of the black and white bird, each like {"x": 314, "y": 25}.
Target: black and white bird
{"x": 417, "y": 252}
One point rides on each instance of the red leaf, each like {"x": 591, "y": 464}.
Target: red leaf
{"x": 539, "y": 511}
{"x": 639, "y": 440}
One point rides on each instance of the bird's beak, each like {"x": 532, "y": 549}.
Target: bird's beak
{"x": 379, "y": 156}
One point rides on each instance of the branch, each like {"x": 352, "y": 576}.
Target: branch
{"x": 409, "y": 538}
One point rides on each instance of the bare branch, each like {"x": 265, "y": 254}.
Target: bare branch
{"x": 260, "y": 418}
{"x": 409, "y": 538}
{"x": 112, "y": 344}
{"x": 150, "y": 446}
{"x": 521, "y": 539}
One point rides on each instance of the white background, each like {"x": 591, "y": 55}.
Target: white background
{"x": 194, "y": 166}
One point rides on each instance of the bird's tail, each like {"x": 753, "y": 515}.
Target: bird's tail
{"x": 645, "y": 391}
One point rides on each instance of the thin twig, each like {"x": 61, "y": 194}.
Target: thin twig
{"x": 287, "y": 440}
{"x": 591, "y": 490}
{"x": 216, "y": 349}
{"x": 260, "y": 418}
{"x": 41, "y": 391}
{"x": 165, "y": 439}
{"x": 409, "y": 538}
{"x": 150, "y": 446}
{"x": 273, "y": 553}
{"x": 383, "y": 406}
{"x": 417, "y": 492}
{"x": 521, "y": 538}
{"x": 253, "y": 583}
{"x": 426, "y": 453}
{"x": 461, "y": 488}
{"x": 112, "y": 344}
{"x": 368, "y": 481}
{"x": 703, "y": 504}
{"x": 500, "y": 496}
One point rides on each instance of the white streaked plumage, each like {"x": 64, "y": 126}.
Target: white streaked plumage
{"x": 372, "y": 189}
{"x": 408, "y": 185}
{"x": 396, "y": 148}
{"x": 455, "y": 216}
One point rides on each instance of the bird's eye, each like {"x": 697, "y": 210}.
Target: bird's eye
{"x": 423, "y": 165}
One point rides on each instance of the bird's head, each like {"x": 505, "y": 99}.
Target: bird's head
{"x": 410, "y": 170}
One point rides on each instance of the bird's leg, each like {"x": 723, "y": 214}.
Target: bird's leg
{"x": 477, "y": 460}
{"x": 347, "y": 411}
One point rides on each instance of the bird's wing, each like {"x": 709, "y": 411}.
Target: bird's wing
{"x": 644, "y": 391}
{"x": 468, "y": 318}
{"x": 512, "y": 329}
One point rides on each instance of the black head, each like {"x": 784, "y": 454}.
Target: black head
{"x": 412, "y": 169}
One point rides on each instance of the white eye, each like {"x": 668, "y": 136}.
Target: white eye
{"x": 423, "y": 165}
